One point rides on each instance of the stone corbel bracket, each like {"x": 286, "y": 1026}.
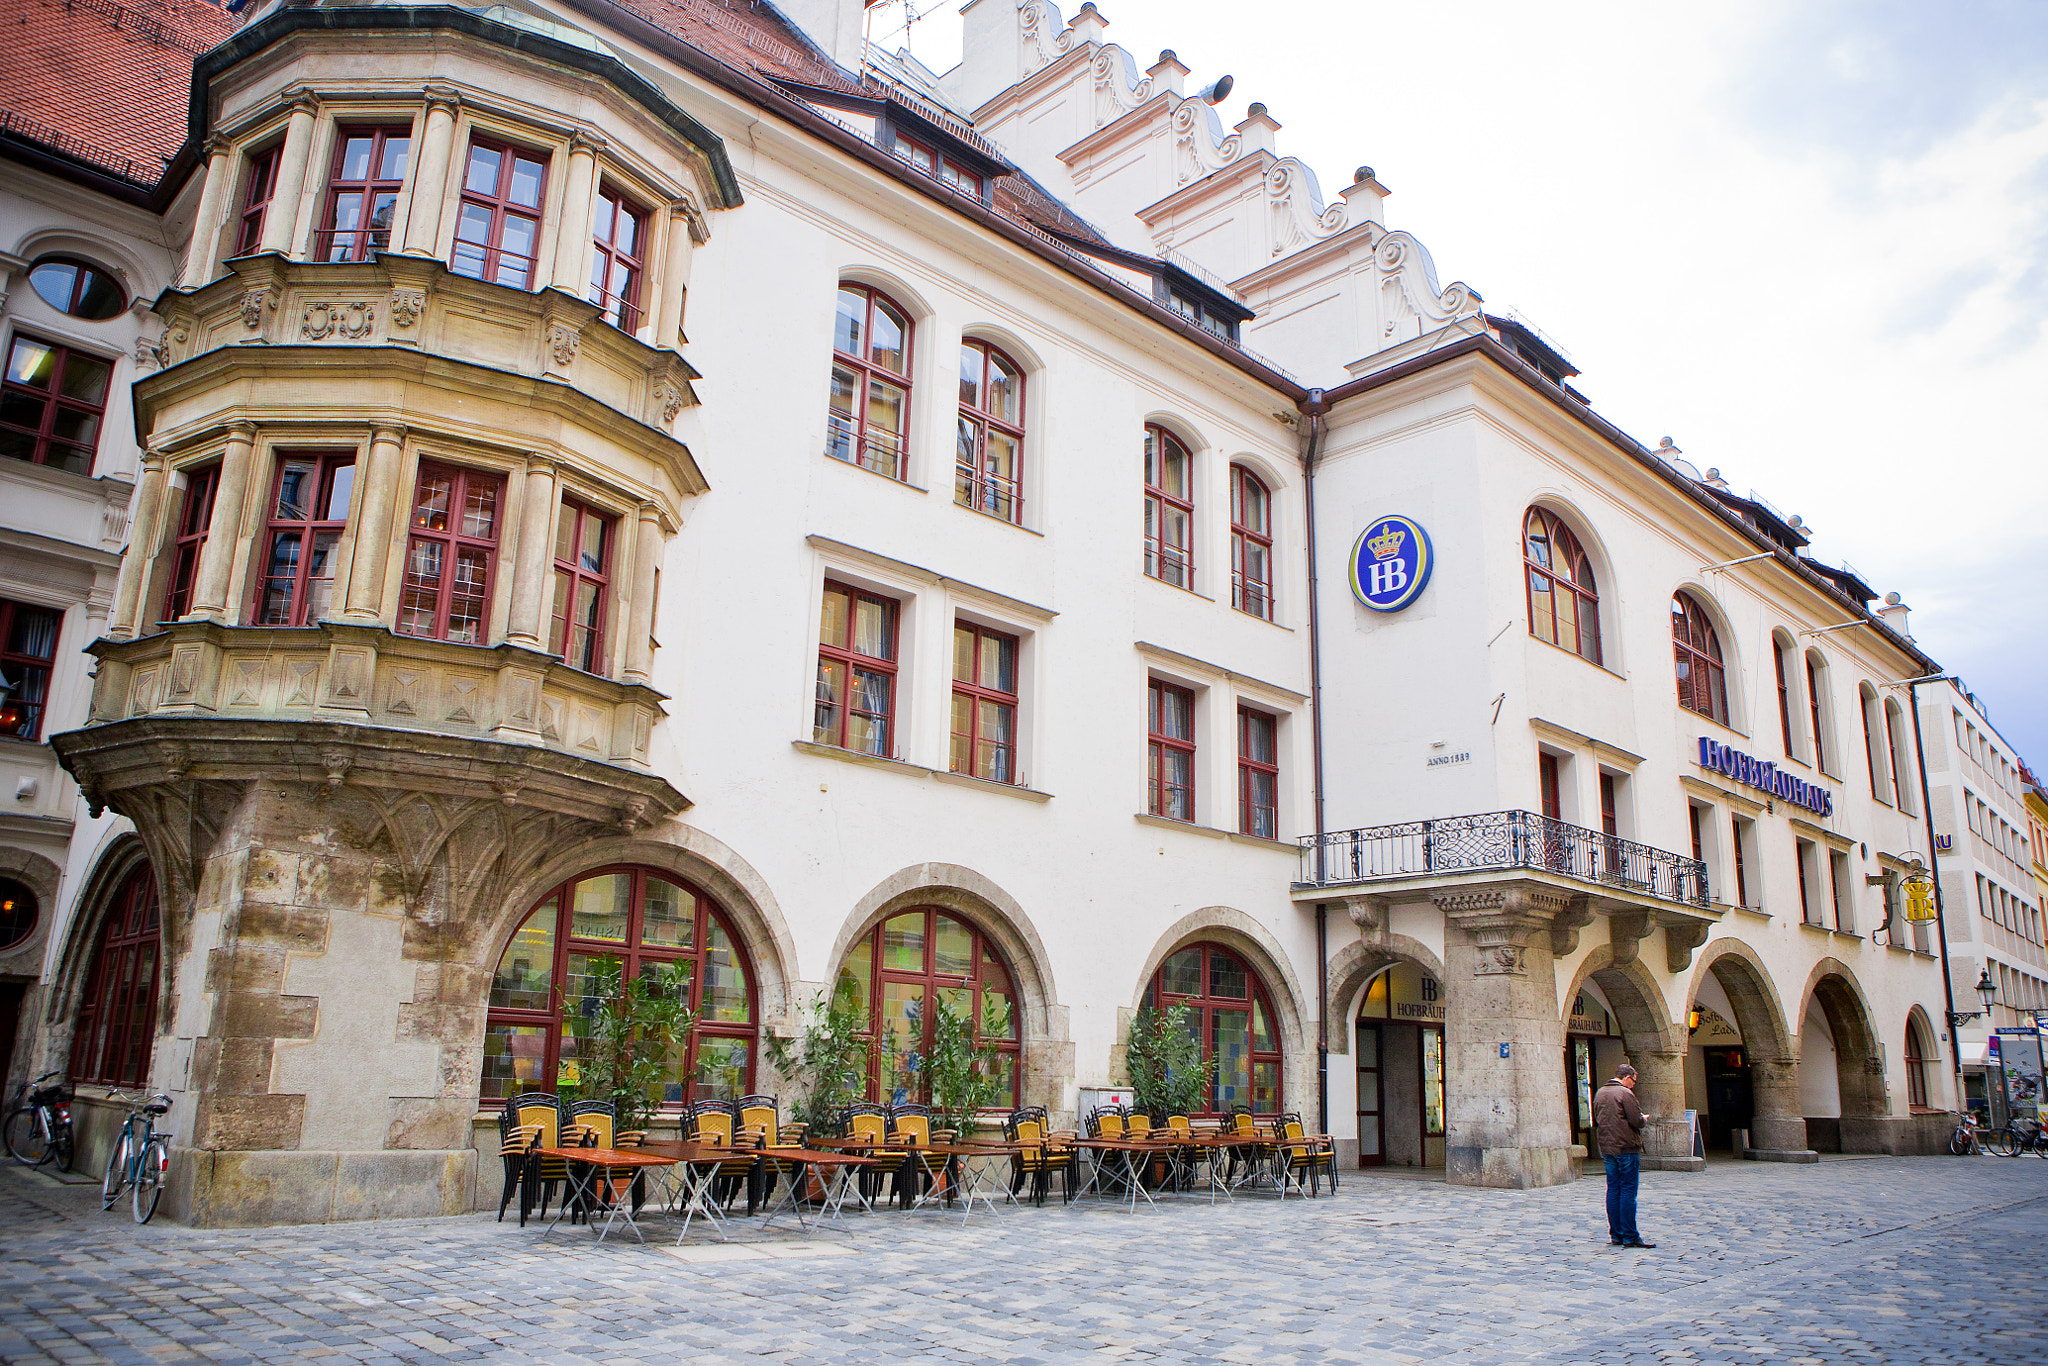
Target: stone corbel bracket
{"x": 1626, "y": 931}
{"x": 1682, "y": 937}
{"x": 1564, "y": 930}
{"x": 1501, "y": 923}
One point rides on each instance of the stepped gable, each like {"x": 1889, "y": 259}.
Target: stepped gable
{"x": 103, "y": 83}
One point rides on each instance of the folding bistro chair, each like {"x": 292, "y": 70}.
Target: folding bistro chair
{"x": 540, "y": 1115}
{"x": 910, "y": 1128}
{"x": 715, "y": 1123}
{"x": 870, "y": 1124}
{"x": 1042, "y": 1156}
{"x": 1300, "y": 1159}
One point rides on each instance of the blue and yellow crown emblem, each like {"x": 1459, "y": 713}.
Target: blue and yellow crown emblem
{"x": 1387, "y": 544}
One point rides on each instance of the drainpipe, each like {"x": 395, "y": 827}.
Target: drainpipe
{"x": 1948, "y": 987}
{"x": 1314, "y": 407}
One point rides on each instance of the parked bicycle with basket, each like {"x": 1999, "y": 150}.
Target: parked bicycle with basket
{"x": 141, "y": 1158}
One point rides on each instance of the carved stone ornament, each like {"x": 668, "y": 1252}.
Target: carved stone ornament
{"x": 686, "y": 207}
{"x": 1045, "y": 37}
{"x": 1681, "y": 938}
{"x": 1564, "y": 930}
{"x": 562, "y": 342}
{"x": 254, "y": 302}
{"x": 1296, "y": 219}
{"x": 1193, "y": 154}
{"x": 668, "y": 395}
{"x": 352, "y": 321}
{"x": 1503, "y": 960}
{"x": 149, "y": 353}
{"x": 406, "y": 306}
{"x": 1410, "y": 302}
{"x": 1627, "y": 930}
{"x": 1115, "y": 95}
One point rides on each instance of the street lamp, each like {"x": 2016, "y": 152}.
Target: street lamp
{"x": 1987, "y": 992}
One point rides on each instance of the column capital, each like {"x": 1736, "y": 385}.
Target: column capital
{"x": 538, "y": 462}
{"x": 392, "y": 432}
{"x": 686, "y": 207}
{"x": 299, "y": 99}
{"x": 1500, "y": 922}
{"x": 215, "y": 146}
{"x": 650, "y": 512}
{"x": 241, "y": 429}
{"x": 588, "y": 142}
{"x": 442, "y": 97}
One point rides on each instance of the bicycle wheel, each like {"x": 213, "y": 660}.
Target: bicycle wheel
{"x": 1959, "y": 1142}
{"x": 116, "y": 1179}
{"x": 65, "y": 1150}
{"x": 2005, "y": 1142}
{"x": 149, "y": 1179}
{"x": 26, "y": 1140}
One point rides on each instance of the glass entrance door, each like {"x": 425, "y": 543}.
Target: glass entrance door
{"x": 1372, "y": 1150}
{"x": 1578, "y": 1084}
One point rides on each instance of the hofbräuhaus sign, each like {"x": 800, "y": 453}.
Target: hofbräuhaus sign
{"x": 1390, "y": 563}
{"x": 1752, "y": 772}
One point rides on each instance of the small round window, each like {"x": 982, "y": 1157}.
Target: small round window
{"x": 82, "y": 290}
{"x": 17, "y": 913}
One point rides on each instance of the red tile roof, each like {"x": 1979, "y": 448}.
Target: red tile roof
{"x": 107, "y": 84}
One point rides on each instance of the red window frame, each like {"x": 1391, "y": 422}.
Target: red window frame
{"x": 1258, "y": 773}
{"x": 940, "y": 167}
{"x": 867, "y": 974}
{"x": 1821, "y": 756}
{"x": 56, "y": 422}
{"x": 450, "y": 565}
{"x": 1558, "y": 570}
{"x": 1696, "y": 660}
{"x": 1204, "y": 1003}
{"x": 579, "y": 640}
{"x": 256, "y": 198}
{"x": 188, "y": 542}
{"x": 24, "y": 629}
{"x": 1169, "y": 558}
{"x": 377, "y": 188}
{"x": 1799, "y": 848}
{"x": 1174, "y": 801}
{"x": 1741, "y": 873}
{"x": 1916, "y": 1070}
{"x": 1784, "y": 696}
{"x": 618, "y": 245}
{"x": 984, "y": 709}
{"x": 94, "y": 293}
{"x": 849, "y": 676}
{"x": 852, "y": 434}
{"x": 985, "y": 426}
{"x": 1550, "y": 790}
{"x": 116, "y": 1029}
{"x": 289, "y": 594}
{"x": 1251, "y": 544}
{"x": 1894, "y": 753}
{"x": 712, "y": 935}
{"x": 485, "y": 216}
{"x": 1864, "y": 704}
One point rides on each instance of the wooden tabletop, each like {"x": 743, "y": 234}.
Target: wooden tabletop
{"x": 608, "y": 1157}
{"x": 1125, "y": 1145}
{"x": 702, "y": 1152}
{"x": 872, "y": 1145}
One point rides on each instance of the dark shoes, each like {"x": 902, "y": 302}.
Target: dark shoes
{"x": 1638, "y": 1242}
{"x": 1616, "y": 1242}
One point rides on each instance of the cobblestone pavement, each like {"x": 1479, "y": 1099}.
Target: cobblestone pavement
{"x": 1930, "y": 1260}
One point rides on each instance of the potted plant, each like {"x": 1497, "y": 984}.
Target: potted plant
{"x": 1163, "y": 1058}
{"x": 826, "y": 1063}
{"x": 626, "y": 1046}
{"x": 961, "y": 1070}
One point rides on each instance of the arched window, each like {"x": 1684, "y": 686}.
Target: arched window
{"x": 1564, "y": 602}
{"x": 1821, "y": 713}
{"x": 1233, "y": 1015}
{"x": 989, "y": 463}
{"x": 18, "y": 914}
{"x": 900, "y": 969}
{"x": 76, "y": 287}
{"x": 1875, "y": 755}
{"x": 1702, "y": 680}
{"x": 1251, "y": 544}
{"x": 1916, "y": 1067}
{"x": 117, "y": 1016}
{"x": 542, "y": 1007}
{"x": 1169, "y": 508}
{"x": 869, "y": 415}
{"x": 1903, "y": 777}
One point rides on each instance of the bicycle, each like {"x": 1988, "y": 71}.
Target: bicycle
{"x": 141, "y": 1158}
{"x": 1963, "y": 1141}
{"x": 39, "y": 1124}
{"x": 2021, "y": 1136}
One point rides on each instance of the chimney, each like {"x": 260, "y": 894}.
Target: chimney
{"x": 1257, "y": 130}
{"x": 1894, "y": 614}
{"x": 838, "y": 27}
{"x": 1366, "y": 196}
{"x": 1168, "y": 73}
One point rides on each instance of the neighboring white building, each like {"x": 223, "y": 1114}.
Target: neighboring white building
{"x": 898, "y": 569}
{"x": 1991, "y": 899}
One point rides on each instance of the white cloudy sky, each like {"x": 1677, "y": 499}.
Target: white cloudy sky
{"x": 1808, "y": 241}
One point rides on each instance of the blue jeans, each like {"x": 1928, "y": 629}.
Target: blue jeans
{"x": 1624, "y": 1174}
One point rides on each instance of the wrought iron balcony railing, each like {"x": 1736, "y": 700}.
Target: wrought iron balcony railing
{"x": 1502, "y": 839}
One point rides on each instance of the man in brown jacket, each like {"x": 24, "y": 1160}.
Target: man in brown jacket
{"x": 1618, "y": 1127}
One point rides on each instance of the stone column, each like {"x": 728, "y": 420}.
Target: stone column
{"x": 572, "y": 239}
{"x": 1778, "y": 1121}
{"x": 149, "y": 498}
{"x": 1505, "y": 1120}
{"x": 217, "y": 558}
{"x": 535, "y": 561}
{"x": 291, "y": 175}
{"x": 640, "y": 622}
{"x": 1660, "y": 1090}
{"x": 684, "y": 222}
{"x": 199, "y": 260}
{"x": 430, "y": 179}
{"x": 373, "y": 526}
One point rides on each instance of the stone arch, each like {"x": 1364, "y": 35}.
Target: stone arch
{"x": 121, "y": 856}
{"x": 1859, "y": 1056}
{"x": 1655, "y": 1044}
{"x": 1046, "y": 1035}
{"x": 1356, "y": 964}
{"x": 1233, "y": 929}
{"x": 1774, "y": 1062}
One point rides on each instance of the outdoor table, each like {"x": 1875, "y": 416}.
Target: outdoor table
{"x": 1220, "y": 1142}
{"x": 1128, "y": 1149}
{"x": 699, "y": 1164}
{"x": 962, "y": 1178}
{"x": 838, "y": 1168}
{"x": 589, "y": 1166}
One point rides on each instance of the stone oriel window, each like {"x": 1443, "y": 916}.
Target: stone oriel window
{"x": 984, "y": 703}
{"x": 1258, "y": 773}
{"x": 1564, "y": 601}
{"x": 868, "y": 417}
{"x": 583, "y": 566}
{"x": 451, "y": 555}
{"x": 1169, "y": 508}
{"x": 618, "y": 258}
{"x": 362, "y": 191}
{"x": 896, "y": 974}
{"x": 1231, "y": 1010}
{"x": 856, "y": 699}
{"x": 497, "y": 226}
{"x": 51, "y": 404}
{"x": 195, "y": 515}
{"x": 628, "y": 920}
{"x": 28, "y": 644}
{"x": 117, "y": 1015}
{"x": 989, "y": 460}
{"x": 1696, "y": 657}
{"x": 1251, "y": 544}
{"x": 309, "y": 512}
{"x": 1170, "y": 738}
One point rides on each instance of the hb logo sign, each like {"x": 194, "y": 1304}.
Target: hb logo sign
{"x": 1390, "y": 564}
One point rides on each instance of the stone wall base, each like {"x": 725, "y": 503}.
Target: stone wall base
{"x": 211, "y": 1189}
{"x": 1674, "y": 1164}
{"x": 1509, "y": 1168}
{"x": 1901, "y": 1135}
{"x": 1781, "y": 1154}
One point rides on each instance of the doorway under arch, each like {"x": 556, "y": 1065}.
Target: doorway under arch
{"x": 1767, "y": 1063}
{"x": 1842, "y": 1070}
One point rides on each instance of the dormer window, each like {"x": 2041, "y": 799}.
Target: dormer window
{"x": 939, "y": 166}
{"x": 1202, "y": 316}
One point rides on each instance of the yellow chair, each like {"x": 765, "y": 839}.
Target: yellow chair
{"x": 1042, "y": 1155}
{"x": 869, "y": 1124}
{"x": 1301, "y": 1159}
{"x": 910, "y": 1126}
{"x": 540, "y": 1115}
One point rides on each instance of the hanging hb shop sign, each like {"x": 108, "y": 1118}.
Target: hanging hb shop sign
{"x": 1390, "y": 564}
{"x": 1750, "y": 772}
